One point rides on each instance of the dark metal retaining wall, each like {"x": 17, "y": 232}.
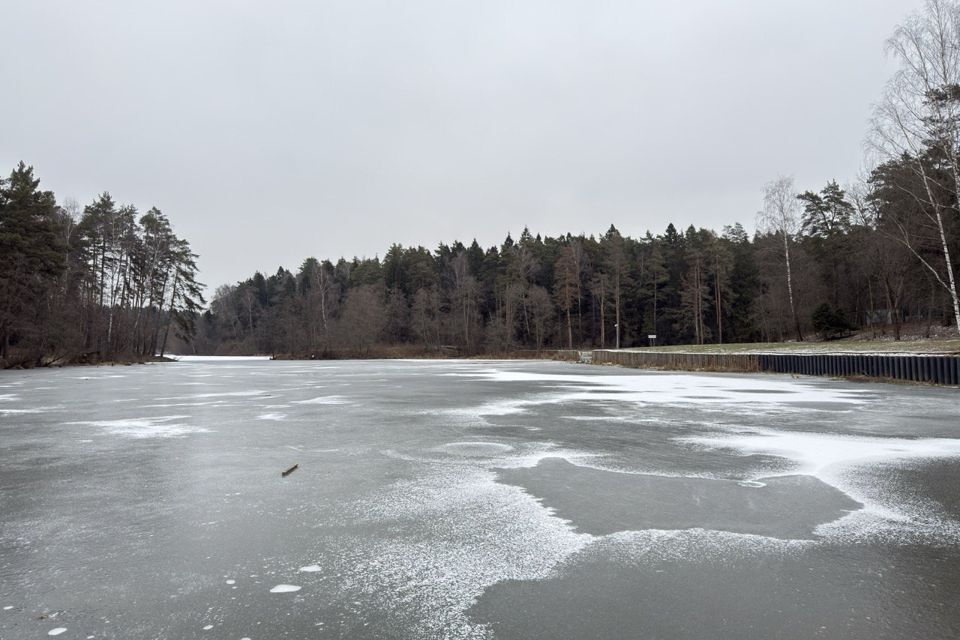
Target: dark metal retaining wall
{"x": 933, "y": 369}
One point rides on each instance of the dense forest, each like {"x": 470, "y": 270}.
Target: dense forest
{"x": 848, "y": 271}
{"x": 104, "y": 283}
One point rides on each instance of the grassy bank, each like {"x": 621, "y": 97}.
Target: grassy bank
{"x": 950, "y": 346}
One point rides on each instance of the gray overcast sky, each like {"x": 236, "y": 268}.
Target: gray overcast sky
{"x": 269, "y": 132}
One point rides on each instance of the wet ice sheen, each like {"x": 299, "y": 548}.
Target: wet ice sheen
{"x": 788, "y": 507}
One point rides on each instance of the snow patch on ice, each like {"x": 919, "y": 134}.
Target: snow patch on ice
{"x": 475, "y": 448}
{"x": 285, "y": 588}
{"x": 467, "y": 532}
{"x": 182, "y": 404}
{"x": 276, "y": 417}
{"x": 311, "y": 568}
{"x": 219, "y": 394}
{"x": 667, "y": 388}
{"x": 153, "y": 427}
{"x": 323, "y": 400}
{"x": 57, "y": 631}
{"x": 688, "y": 545}
{"x": 822, "y": 454}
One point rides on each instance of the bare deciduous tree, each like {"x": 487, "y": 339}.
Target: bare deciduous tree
{"x": 918, "y": 121}
{"x": 780, "y": 216}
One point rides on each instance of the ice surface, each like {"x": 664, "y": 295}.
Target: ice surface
{"x": 602, "y": 502}
{"x": 407, "y": 521}
{"x": 844, "y": 461}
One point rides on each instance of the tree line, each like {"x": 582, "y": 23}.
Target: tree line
{"x": 823, "y": 262}
{"x": 101, "y": 283}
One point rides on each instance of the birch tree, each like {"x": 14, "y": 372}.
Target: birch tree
{"x": 780, "y": 217}
{"x": 917, "y": 122}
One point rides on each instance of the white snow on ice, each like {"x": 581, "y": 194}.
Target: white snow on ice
{"x": 312, "y": 568}
{"x": 219, "y": 394}
{"x": 285, "y": 588}
{"x": 824, "y": 454}
{"x": 471, "y": 532}
{"x": 57, "y": 631}
{"x": 684, "y": 388}
{"x": 323, "y": 400}
{"x": 154, "y": 427}
{"x": 475, "y": 448}
{"x": 182, "y": 404}
{"x": 754, "y": 394}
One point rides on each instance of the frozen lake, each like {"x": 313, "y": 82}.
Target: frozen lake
{"x": 472, "y": 499}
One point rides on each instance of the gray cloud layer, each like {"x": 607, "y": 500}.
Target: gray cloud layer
{"x": 273, "y": 131}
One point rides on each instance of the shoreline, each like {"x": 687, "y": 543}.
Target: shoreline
{"x": 83, "y": 360}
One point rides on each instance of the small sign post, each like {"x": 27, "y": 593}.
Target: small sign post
{"x": 653, "y": 339}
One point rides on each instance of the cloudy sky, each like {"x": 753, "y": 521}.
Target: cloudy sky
{"x": 273, "y": 131}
